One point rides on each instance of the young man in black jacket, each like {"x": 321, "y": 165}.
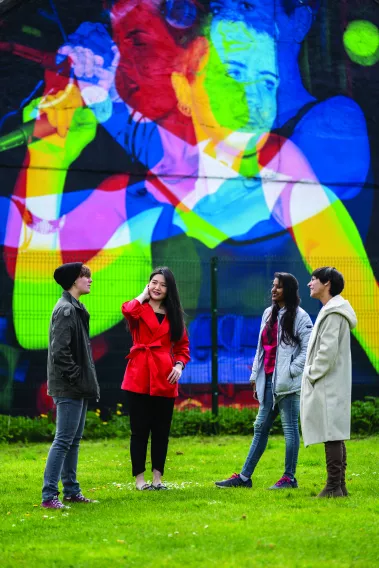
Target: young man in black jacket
{"x": 71, "y": 381}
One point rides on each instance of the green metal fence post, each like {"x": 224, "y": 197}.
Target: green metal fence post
{"x": 214, "y": 276}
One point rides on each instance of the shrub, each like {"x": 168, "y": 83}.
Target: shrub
{"x": 230, "y": 421}
{"x": 365, "y": 416}
{"x": 21, "y": 429}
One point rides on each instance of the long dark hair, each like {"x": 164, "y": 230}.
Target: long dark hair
{"x": 292, "y": 301}
{"x": 171, "y": 302}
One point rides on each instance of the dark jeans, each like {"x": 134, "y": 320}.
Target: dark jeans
{"x": 289, "y": 408}
{"x": 62, "y": 460}
{"x": 149, "y": 414}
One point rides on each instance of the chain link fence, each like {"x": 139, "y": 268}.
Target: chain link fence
{"x": 223, "y": 299}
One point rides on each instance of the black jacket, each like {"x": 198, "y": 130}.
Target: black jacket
{"x": 70, "y": 367}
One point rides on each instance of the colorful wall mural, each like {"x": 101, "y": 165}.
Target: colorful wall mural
{"x": 140, "y": 132}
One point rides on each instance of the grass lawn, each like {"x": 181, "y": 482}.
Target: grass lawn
{"x": 194, "y": 524}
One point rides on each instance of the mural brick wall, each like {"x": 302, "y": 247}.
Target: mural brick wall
{"x": 142, "y": 132}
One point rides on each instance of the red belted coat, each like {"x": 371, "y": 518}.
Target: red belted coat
{"x": 153, "y": 354}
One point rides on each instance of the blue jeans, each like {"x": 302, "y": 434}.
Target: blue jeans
{"x": 62, "y": 460}
{"x": 289, "y": 408}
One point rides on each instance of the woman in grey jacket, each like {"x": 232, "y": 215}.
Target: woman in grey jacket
{"x": 276, "y": 379}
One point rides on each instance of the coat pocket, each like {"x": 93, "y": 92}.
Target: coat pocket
{"x": 284, "y": 382}
{"x": 65, "y": 378}
{"x": 88, "y": 384}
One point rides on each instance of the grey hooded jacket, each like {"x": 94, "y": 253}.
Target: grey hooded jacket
{"x": 70, "y": 367}
{"x": 290, "y": 359}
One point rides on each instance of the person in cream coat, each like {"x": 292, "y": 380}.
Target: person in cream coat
{"x": 325, "y": 402}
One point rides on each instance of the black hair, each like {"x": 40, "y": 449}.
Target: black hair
{"x": 171, "y": 302}
{"x": 330, "y": 274}
{"x": 291, "y": 299}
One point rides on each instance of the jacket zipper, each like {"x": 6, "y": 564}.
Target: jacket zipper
{"x": 276, "y": 359}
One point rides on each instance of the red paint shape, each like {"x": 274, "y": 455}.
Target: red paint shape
{"x": 149, "y": 53}
{"x": 241, "y": 397}
{"x": 45, "y": 402}
{"x": 14, "y": 225}
{"x": 161, "y": 187}
{"x": 270, "y": 150}
{"x": 114, "y": 183}
{"x": 83, "y": 256}
{"x": 99, "y": 347}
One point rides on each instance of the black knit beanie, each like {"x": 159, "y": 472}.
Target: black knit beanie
{"x": 66, "y": 274}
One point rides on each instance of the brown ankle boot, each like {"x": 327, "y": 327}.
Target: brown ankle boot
{"x": 333, "y": 453}
{"x": 344, "y": 465}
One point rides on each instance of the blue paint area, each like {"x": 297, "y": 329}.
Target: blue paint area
{"x": 71, "y": 200}
{"x": 139, "y": 137}
{"x": 3, "y": 329}
{"x": 4, "y": 210}
{"x": 94, "y": 36}
{"x": 237, "y": 342}
{"x": 180, "y": 14}
{"x": 21, "y": 371}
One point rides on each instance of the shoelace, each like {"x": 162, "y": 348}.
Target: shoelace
{"x": 82, "y": 498}
{"x": 234, "y": 476}
{"x": 57, "y": 503}
{"x": 283, "y": 480}
{"x": 78, "y": 497}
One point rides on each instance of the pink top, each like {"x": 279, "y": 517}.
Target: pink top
{"x": 270, "y": 349}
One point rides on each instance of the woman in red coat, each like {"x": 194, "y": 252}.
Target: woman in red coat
{"x": 157, "y": 358}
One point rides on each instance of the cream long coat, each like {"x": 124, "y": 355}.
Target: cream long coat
{"x": 325, "y": 400}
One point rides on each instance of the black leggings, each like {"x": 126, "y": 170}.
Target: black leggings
{"x": 149, "y": 414}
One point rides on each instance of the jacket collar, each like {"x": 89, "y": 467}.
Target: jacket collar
{"x": 336, "y": 300}
{"x": 151, "y": 320}
{"x": 67, "y": 296}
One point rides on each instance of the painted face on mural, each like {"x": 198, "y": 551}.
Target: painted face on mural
{"x": 292, "y": 18}
{"x": 147, "y": 56}
{"x": 248, "y": 61}
{"x": 234, "y": 88}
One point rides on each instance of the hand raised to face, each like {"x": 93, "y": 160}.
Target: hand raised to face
{"x": 146, "y": 292}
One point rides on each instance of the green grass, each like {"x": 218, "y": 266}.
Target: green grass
{"x": 194, "y": 524}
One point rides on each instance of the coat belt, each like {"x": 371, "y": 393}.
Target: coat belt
{"x": 138, "y": 347}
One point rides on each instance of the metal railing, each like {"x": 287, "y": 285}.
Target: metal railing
{"x": 223, "y": 298}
